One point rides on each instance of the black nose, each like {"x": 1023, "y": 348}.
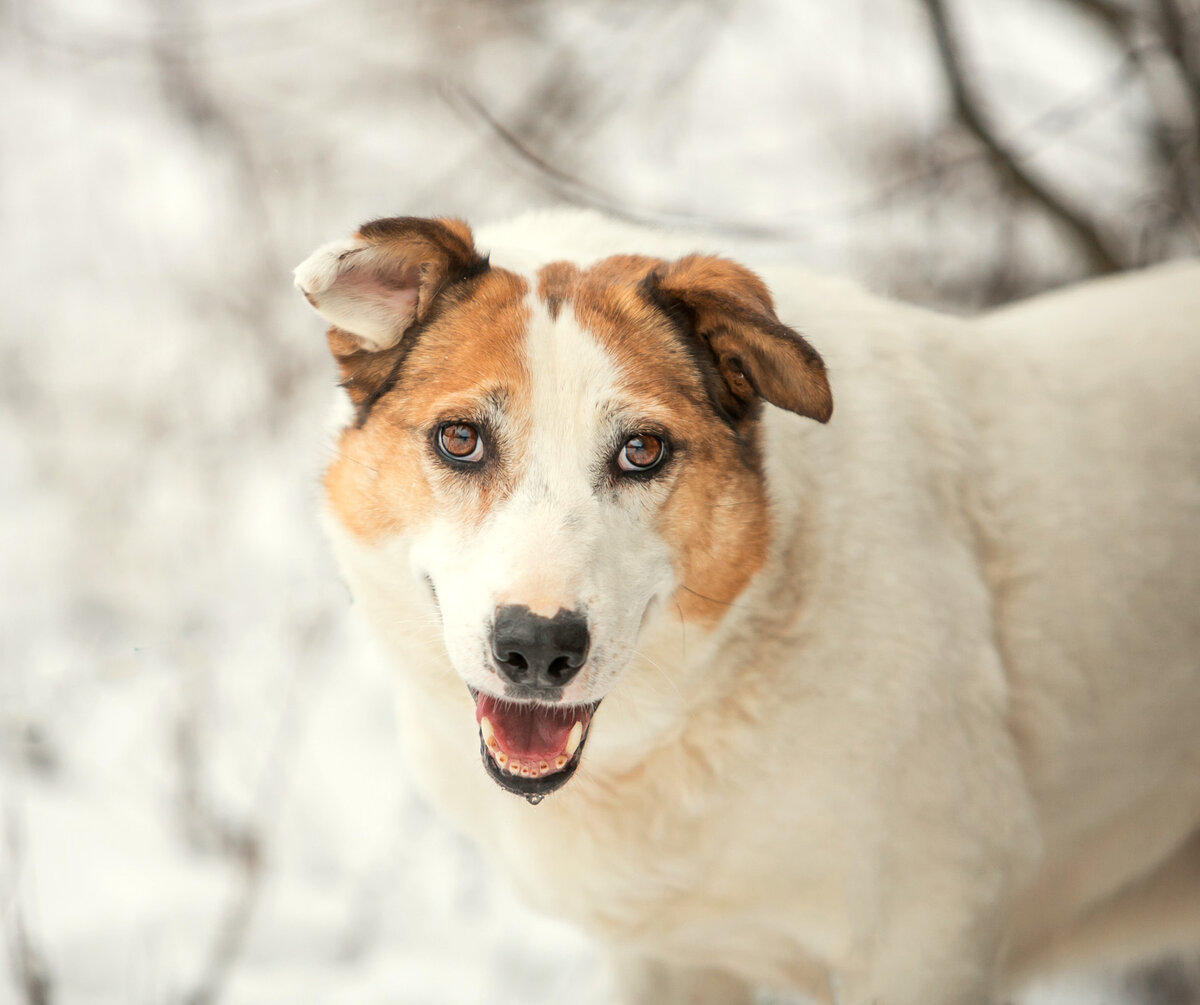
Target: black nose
{"x": 536, "y": 651}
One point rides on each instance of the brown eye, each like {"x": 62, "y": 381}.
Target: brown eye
{"x": 460, "y": 441}
{"x": 643, "y": 452}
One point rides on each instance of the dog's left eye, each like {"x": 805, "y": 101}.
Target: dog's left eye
{"x": 459, "y": 441}
{"x": 640, "y": 453}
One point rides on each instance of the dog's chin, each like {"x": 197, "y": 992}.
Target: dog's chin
{"x": 530, "y": 748}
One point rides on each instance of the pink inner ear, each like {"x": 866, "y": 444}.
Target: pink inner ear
{"x": 370, "y": 302}
{"x": 397, "y": 293}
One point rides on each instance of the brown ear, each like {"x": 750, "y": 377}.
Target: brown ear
{"x": 377, "y": 285}
{"x": 757, "y": 356}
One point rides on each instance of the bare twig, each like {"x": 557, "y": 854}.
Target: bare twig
{"x": 577, "y": 190}
{"x": 574, "y": 189}
{"x": 175, "y": 53}
{"x": 967, "y": 108}
{"x": 235, "y": 923}
{"x": 1059, "y": 119}
{"x": 28, "y": 962}
{"x": 1169, "y": 41}
{"x": 1171, "y": 982}
{"x": 1176, "y": 29}
{"x": 246, "y": 843}
{"x": 242, "y": 843}
{"x": 1117, "y": 17}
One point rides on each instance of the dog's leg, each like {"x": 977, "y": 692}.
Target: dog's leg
{"x": 1156, "y": 915}
{"x": 937, "y": 986}
{"x": 933, "y": 957}
{"x": 642, "y": 981}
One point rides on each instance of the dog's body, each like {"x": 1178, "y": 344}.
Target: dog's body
{"x": 915, "y": 717}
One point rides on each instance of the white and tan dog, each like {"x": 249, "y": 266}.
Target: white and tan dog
{"x": 897, "y": 708}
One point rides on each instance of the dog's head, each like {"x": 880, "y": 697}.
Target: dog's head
{"x": 552, "y": 455}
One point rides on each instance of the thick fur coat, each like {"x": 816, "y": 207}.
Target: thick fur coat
{"x": 899, "y": 705}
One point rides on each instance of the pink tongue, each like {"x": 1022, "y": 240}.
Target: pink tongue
{"x": 528, "y": 731}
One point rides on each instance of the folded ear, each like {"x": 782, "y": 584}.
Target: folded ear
{"x": 730, "y": 311}
{"x": 375, "y": 286}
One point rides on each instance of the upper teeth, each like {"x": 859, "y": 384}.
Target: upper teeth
{"x": 574, "y": 738}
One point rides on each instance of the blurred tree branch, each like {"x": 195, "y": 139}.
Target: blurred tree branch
{"x": 581, "y": 192}
{"x": 1163, "y": 38}
{"x": 541, "y": 131}
{"x": 967, "y": 107}
{"x": 241, "y": 843}
{"x": 1178, "y": 30}
{"x": 244, "y": 842}
{"x": 30, "y": 969}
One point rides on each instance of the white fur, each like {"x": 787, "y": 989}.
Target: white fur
{"x": 950, "y": 733}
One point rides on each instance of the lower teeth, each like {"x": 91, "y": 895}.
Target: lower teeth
{"x": 530, "y": 769}
{"x": 527, "y": 769}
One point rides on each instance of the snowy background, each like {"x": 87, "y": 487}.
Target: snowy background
{"x": 200, "y": 794}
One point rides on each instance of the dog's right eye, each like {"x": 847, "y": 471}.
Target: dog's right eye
{"x": 459, "y": 442}
{"x": 641, "y": 454}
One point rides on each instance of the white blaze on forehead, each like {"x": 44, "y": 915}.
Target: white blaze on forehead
{"x": 551, "y": 528}
{"x": 573, "y": 384}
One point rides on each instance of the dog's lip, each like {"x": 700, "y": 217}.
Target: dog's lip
{"x": 543, "y": 773}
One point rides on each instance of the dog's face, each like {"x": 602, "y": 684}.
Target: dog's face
{"x": 553, "y": 455}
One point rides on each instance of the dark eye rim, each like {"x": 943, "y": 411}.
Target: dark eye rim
{"x": 650, "y": 469}
{"x": 455, "y": 460}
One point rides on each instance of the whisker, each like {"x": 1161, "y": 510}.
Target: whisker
{"x": 711, "y": 600}
{"x": 657, "y": 666}
{"x": 346, "y": 456}
{"x": 682, "y": 632}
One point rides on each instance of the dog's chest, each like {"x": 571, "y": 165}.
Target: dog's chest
{"x": 640, "y": 871}
{"x": 605, "y": 868}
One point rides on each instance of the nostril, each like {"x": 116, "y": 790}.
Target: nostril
{"x": 560, "y": 668}
{"x": 515, "y": 660}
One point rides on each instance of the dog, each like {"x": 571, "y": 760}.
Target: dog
{"x": 894, "y": 702}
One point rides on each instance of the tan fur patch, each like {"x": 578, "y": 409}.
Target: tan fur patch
{"x": 382, "y": 481}
{"x": 556, "y": 284}
{"x": 715, "y": 520}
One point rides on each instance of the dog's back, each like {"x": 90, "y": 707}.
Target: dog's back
{"x": 1089, "y": 514}
{"x": 1068, "y": 427}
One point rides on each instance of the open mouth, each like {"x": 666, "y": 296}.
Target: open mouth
{"x": 527, "y": 748}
